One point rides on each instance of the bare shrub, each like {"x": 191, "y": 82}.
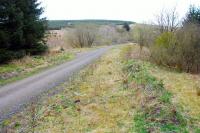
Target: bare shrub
{"x": 144, "y": 34}
{"x": 83, "y": 36}
{"x": 112, "y": 34}
{"x": 189, "y": 47}
{"x": 58, "y": 38}
{"x": 178, "y": 50}
{"x": 107, "y": 35}
{"x": 178, "y": 47}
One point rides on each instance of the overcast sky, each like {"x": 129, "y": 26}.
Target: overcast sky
{"x": 134, "y": 10}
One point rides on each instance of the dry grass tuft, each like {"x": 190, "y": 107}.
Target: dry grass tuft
{"x": 198, "y": 89}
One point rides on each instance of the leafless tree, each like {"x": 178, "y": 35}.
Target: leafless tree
{"x": 167, "y": 20}
{"x": 83, "y": 36}
{"x": 144, "y": 34}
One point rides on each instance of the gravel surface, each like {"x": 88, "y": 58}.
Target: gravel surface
{"x": 14, "y": 96}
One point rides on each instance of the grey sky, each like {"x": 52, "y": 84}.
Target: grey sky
{"x": 134, "y": 10}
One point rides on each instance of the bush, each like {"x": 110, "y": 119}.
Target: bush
{"x": 6, "y": 55}
{"x": 83, "y": 36}
{"x": 3, "y": 39}
{"x": 164, "y": 50}
{"x": 38, "y": 49}
{"x": 144, "y": 34}
{"x": 189, "y": 48}
{"x": 19, "y": 54}
{"x": 126, "y": 27}
{"x": 179, "y": 50}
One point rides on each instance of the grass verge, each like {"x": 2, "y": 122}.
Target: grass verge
{"x": 28, "y": 66}
{"x": 185, "y": 88}
{"x": 156, "y": 109}
{"x": 156, "y": 113}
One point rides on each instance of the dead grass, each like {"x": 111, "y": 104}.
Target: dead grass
{"x": 100, "y": 102}
{"x": 184, "y": 86}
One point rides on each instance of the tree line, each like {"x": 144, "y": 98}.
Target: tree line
{"x": 59, "y": 24}
{"x": 87, "y": 35}
{"x": 174, "y": 43}
{"x": 22, "y": 29}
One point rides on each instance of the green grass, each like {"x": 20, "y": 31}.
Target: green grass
{"x": 166, "y": 97}
{"x": 28, "y": 66}
{"x": 140, "y": 125}
{"x": 156, "y": 113}
{"x": 8, "y": 68}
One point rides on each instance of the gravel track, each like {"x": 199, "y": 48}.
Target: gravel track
{"x": 14, "y": 96}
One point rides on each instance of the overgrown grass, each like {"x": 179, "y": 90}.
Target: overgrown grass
{"x": 184, "y": 86}
{"x": 156, "y": 112}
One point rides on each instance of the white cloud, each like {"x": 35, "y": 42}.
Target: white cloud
{"x": 135, "y": 10}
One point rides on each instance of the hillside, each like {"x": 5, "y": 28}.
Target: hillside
{"x": 57, "y": 24}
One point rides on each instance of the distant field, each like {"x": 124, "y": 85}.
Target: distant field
{"x": 58, "y": 24}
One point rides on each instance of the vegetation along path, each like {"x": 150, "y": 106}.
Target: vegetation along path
{"x": 119, "y": 93}
{"x": 15, "y": 95}
{"x": 95, "y": 101}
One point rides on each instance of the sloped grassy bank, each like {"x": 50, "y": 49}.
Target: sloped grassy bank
{"x": 155, "y": 111}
